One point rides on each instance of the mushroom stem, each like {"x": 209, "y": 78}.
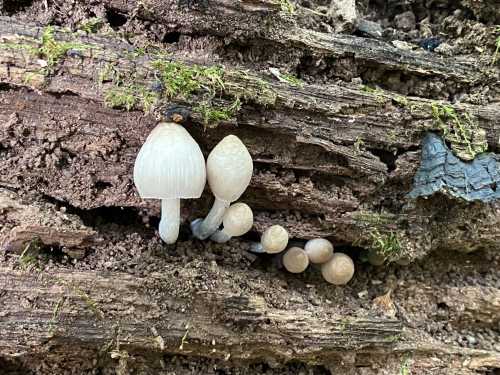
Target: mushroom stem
{"x": 220, "y": 236}
{"x": 170, "y": 218}
{"x": 207, "y": 227}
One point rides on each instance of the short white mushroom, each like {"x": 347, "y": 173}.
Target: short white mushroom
{"x": 274, "y": 240}
{"x": 338, "y": 270}
{"x": 295, "y": 260}
{"x": 229, "y": 170}
{"x": 170, "y": 166}
{"x": 319, "y": 250}
{"x": 237, "y": 221}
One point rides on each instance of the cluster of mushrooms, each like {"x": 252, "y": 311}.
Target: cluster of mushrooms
{"x": 336, "y": 268}
{"x": 170, "y": 166}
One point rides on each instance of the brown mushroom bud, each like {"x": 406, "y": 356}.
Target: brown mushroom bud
{"x": 338, "y": 270}
{"x": 295, "y": 260}
{"x": 319, "y": 250}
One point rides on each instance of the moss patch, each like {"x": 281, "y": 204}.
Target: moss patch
{"x": 461, "y": 130}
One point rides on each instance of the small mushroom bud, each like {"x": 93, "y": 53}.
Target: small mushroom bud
{"x": 375, "y": 259}
{"x": 295, "y": 260}
{"x": 338, "y": 270}
{"x": 237, "y": 221}
{"x": 169, "y": 166}
{"x": 274, "y": 239}
{"x": 319, "y": 250}
{"x": 229, "y": 170}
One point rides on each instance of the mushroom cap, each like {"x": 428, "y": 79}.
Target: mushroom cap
{"x": 169, "y": 164}
{"x": 274, "y": 239}
{"x": 338, "y": 270}
{"x": 229, "y": 169}
{"x": 238, "y": 219}
{"x": 295, "y": 260}
{"x": 319, "y": 250}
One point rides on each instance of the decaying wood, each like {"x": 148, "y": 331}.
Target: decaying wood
{"x": 44, "y": 312}
{"x": 351, "y": 138}
{"x": 334, "y": 158}
{"x": 24, "y": 222}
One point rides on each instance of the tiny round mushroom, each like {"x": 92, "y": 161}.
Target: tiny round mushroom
{"x": 169, "y": 166}
{"x": 375, "y": 259}
{"x": 229, "y": 170}
{"x": 237, "y": 221}
{"x": 295, "y": 260}
{"x": 338, "y": 270}
{"x": 274, "y": 239}
{"x": 319, "y": 250}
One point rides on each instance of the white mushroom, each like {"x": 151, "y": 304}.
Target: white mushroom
{"x": 338, "y": 270}
{"x": 273, "y": 241}
{"x": 319, "y": 250}
{"x": 237, "y": 221}
{"x": 229, "y": 170}
{"x": 295, "y": 260}
{"x": 170, "y": 167}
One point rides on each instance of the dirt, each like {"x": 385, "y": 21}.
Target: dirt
{"x": 422, "y": 292}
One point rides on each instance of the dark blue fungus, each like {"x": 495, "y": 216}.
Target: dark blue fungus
{"x": 441, "y": 171}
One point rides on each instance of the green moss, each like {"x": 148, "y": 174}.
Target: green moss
{"x": 466, "y": 138}
{"x": 292, "y": 80}
{"x": 92, "y": 25}
{"x": 121, "y": 97}
{"x": 20, "y": 46}
{"x": 129, "y": 97}
{"x": 405, "y": 366}
{"x": 373, "y": 218}
{"x": 377, "y": 93}
{"x": 387, "y": 245}
{"x": 182, "y": 81}
{"x": 52, "y": 51}
{"x": 211, "y": 114}
{"x": 359, "y": 145}
{"x": 287, "y": 6}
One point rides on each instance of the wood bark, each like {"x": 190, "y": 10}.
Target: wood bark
{"x": 333, "y": 158}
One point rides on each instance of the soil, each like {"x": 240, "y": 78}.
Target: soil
{"x": 427, "y": 295}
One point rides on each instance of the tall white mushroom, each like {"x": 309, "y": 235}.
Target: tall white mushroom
{"x": 237, "y": 221}
{"x": 229, "y": 170}
{"x": 170, "y": 167}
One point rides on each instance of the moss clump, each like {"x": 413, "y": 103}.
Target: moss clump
{"x": 212, "y": 114}
{"x": 182, "y": 81}
{"x": 287, "y": 6}
{"x": 130, "y": 96}
{"x": 387, "y": 245}
{"x": 466, "y": 138}
{"x": 52, "y": 51}
{"x": 292, "y": 80}
{"x": 92, "y": 25}
{"x": 377, "y": 93}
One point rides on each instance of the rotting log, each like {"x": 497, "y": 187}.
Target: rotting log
{"x": 341, "y": 157}
{"x": 75, "y": 314}
{"x": 331, "y": 159}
